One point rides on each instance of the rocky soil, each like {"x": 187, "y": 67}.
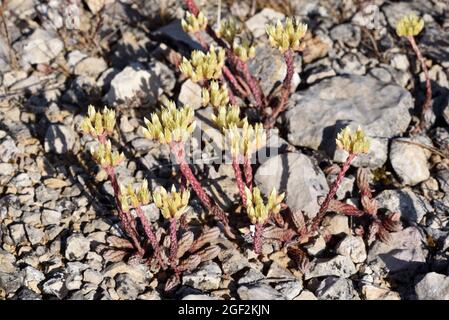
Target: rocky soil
{"x": 57, "y": 216}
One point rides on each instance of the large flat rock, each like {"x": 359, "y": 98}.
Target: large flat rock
{"x": 315, "y": 116}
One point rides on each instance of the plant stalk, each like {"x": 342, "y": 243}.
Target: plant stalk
{"x": 173, "y": 243}
{"x": 332, "y": 191}
{"x": 178, "y": 150}
{"x": 285, "y": 90}
{"x": 257, "y": 240}
{"x": 428, "y": 100}
{"x": 238, "y": 178}
{"x": 151, "y": 236}
{"x": 248, "y": 171}
{"x": 125, "y": 217}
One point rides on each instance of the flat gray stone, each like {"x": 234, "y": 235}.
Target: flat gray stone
{"x": 259, "y": 291}
{"x": 334, "y": 288}
{"x": 433, "y": 286}
{"x": 340, "y": 266}
{"x": 41, "y": 47}
{"x": 404, "y": 252}
{"x": 298, "y": 176}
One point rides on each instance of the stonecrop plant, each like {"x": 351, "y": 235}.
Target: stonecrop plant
{"x": 227, "y": 86}
{"x": 409, "y": 27}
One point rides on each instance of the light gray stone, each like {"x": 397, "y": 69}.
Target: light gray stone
{"x": 259, "y": 291}
{"x": 190, "y": 93}
{"x": 8, "y": 149}
{"x": 92, "y": 276}
{"x": 433, "y": 286}
{"x": 131, "y": 81}
{"x": 10, "y": 282}
{"x": 7, "y": 262}
{"x": 298, "y": 176}
{"x": 206, "y": 277}
{"x": 77, "y": 247}
{"x": 404, "y": 252}
{"x": 90, "y": 67}
{"x": 346, "y": 34}
{"x": 400, "y": 62}
{"x": 56, "y": 286}
{"x": 50, "y": 217}
{"x": 409, "y": 161}
{"x": 352, "y": 247}
{"x": 126, "y": 288}
{"x": 340, "y": 266}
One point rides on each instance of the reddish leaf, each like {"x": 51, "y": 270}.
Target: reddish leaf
{"x": 344, "y": 208}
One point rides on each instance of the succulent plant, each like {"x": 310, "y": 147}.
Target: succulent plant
{"x": 194, "y": 23}
{"x": 244, "y": 140}
{"x": 409, "y": 25}
{"x": 203, "y": 66}
{"x": 354, "y": 143}
{"x": 105, "y": 157}
{"x": 228, "y": 116}
{"x": 288, "y": 36}
{"x": 216, "y": 95}
{"x": 259, "y": 212}
{"x": 98, "y": 124}
{"x": 172, "y": 204}
{"x": 244, "y": 50}
{"x": 170, "y": 124}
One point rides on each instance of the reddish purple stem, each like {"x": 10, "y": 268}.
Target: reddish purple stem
{"x": 238, "y": 178}
{"x": 151, "y": 236}
{"x": 125, "y": 217}
{"x": 285, "y": 90}
{"x": 178, "y": 150}
{"x": 173, "y": 243}
{"x": 331, "y": 194}
{"x": 248, "y": 170}
{"x": 257, "y": 240}
{"x": 251, "y": 81}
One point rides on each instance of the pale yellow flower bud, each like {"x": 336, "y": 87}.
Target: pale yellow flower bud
{"x": 98, "y": 123}
{"x": 257, "y": 210}
{"x": 203, "y": 66}
{"x": 170, "y": 124}
{"x": 192, "y": 23}
{"x": 244, "y": 51}
{"x": 124, "y": 202}
{"x": 288, "y": 36}
{"x": 409, "y": 25}
{"x": 105, "y": 157}
{"x": 172, "y": 204}
{"x": 136, "y": 196}
{"x": 246, "y": 139}
{"x": 227, "y": 116}
{"x": 353, "y": 143}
